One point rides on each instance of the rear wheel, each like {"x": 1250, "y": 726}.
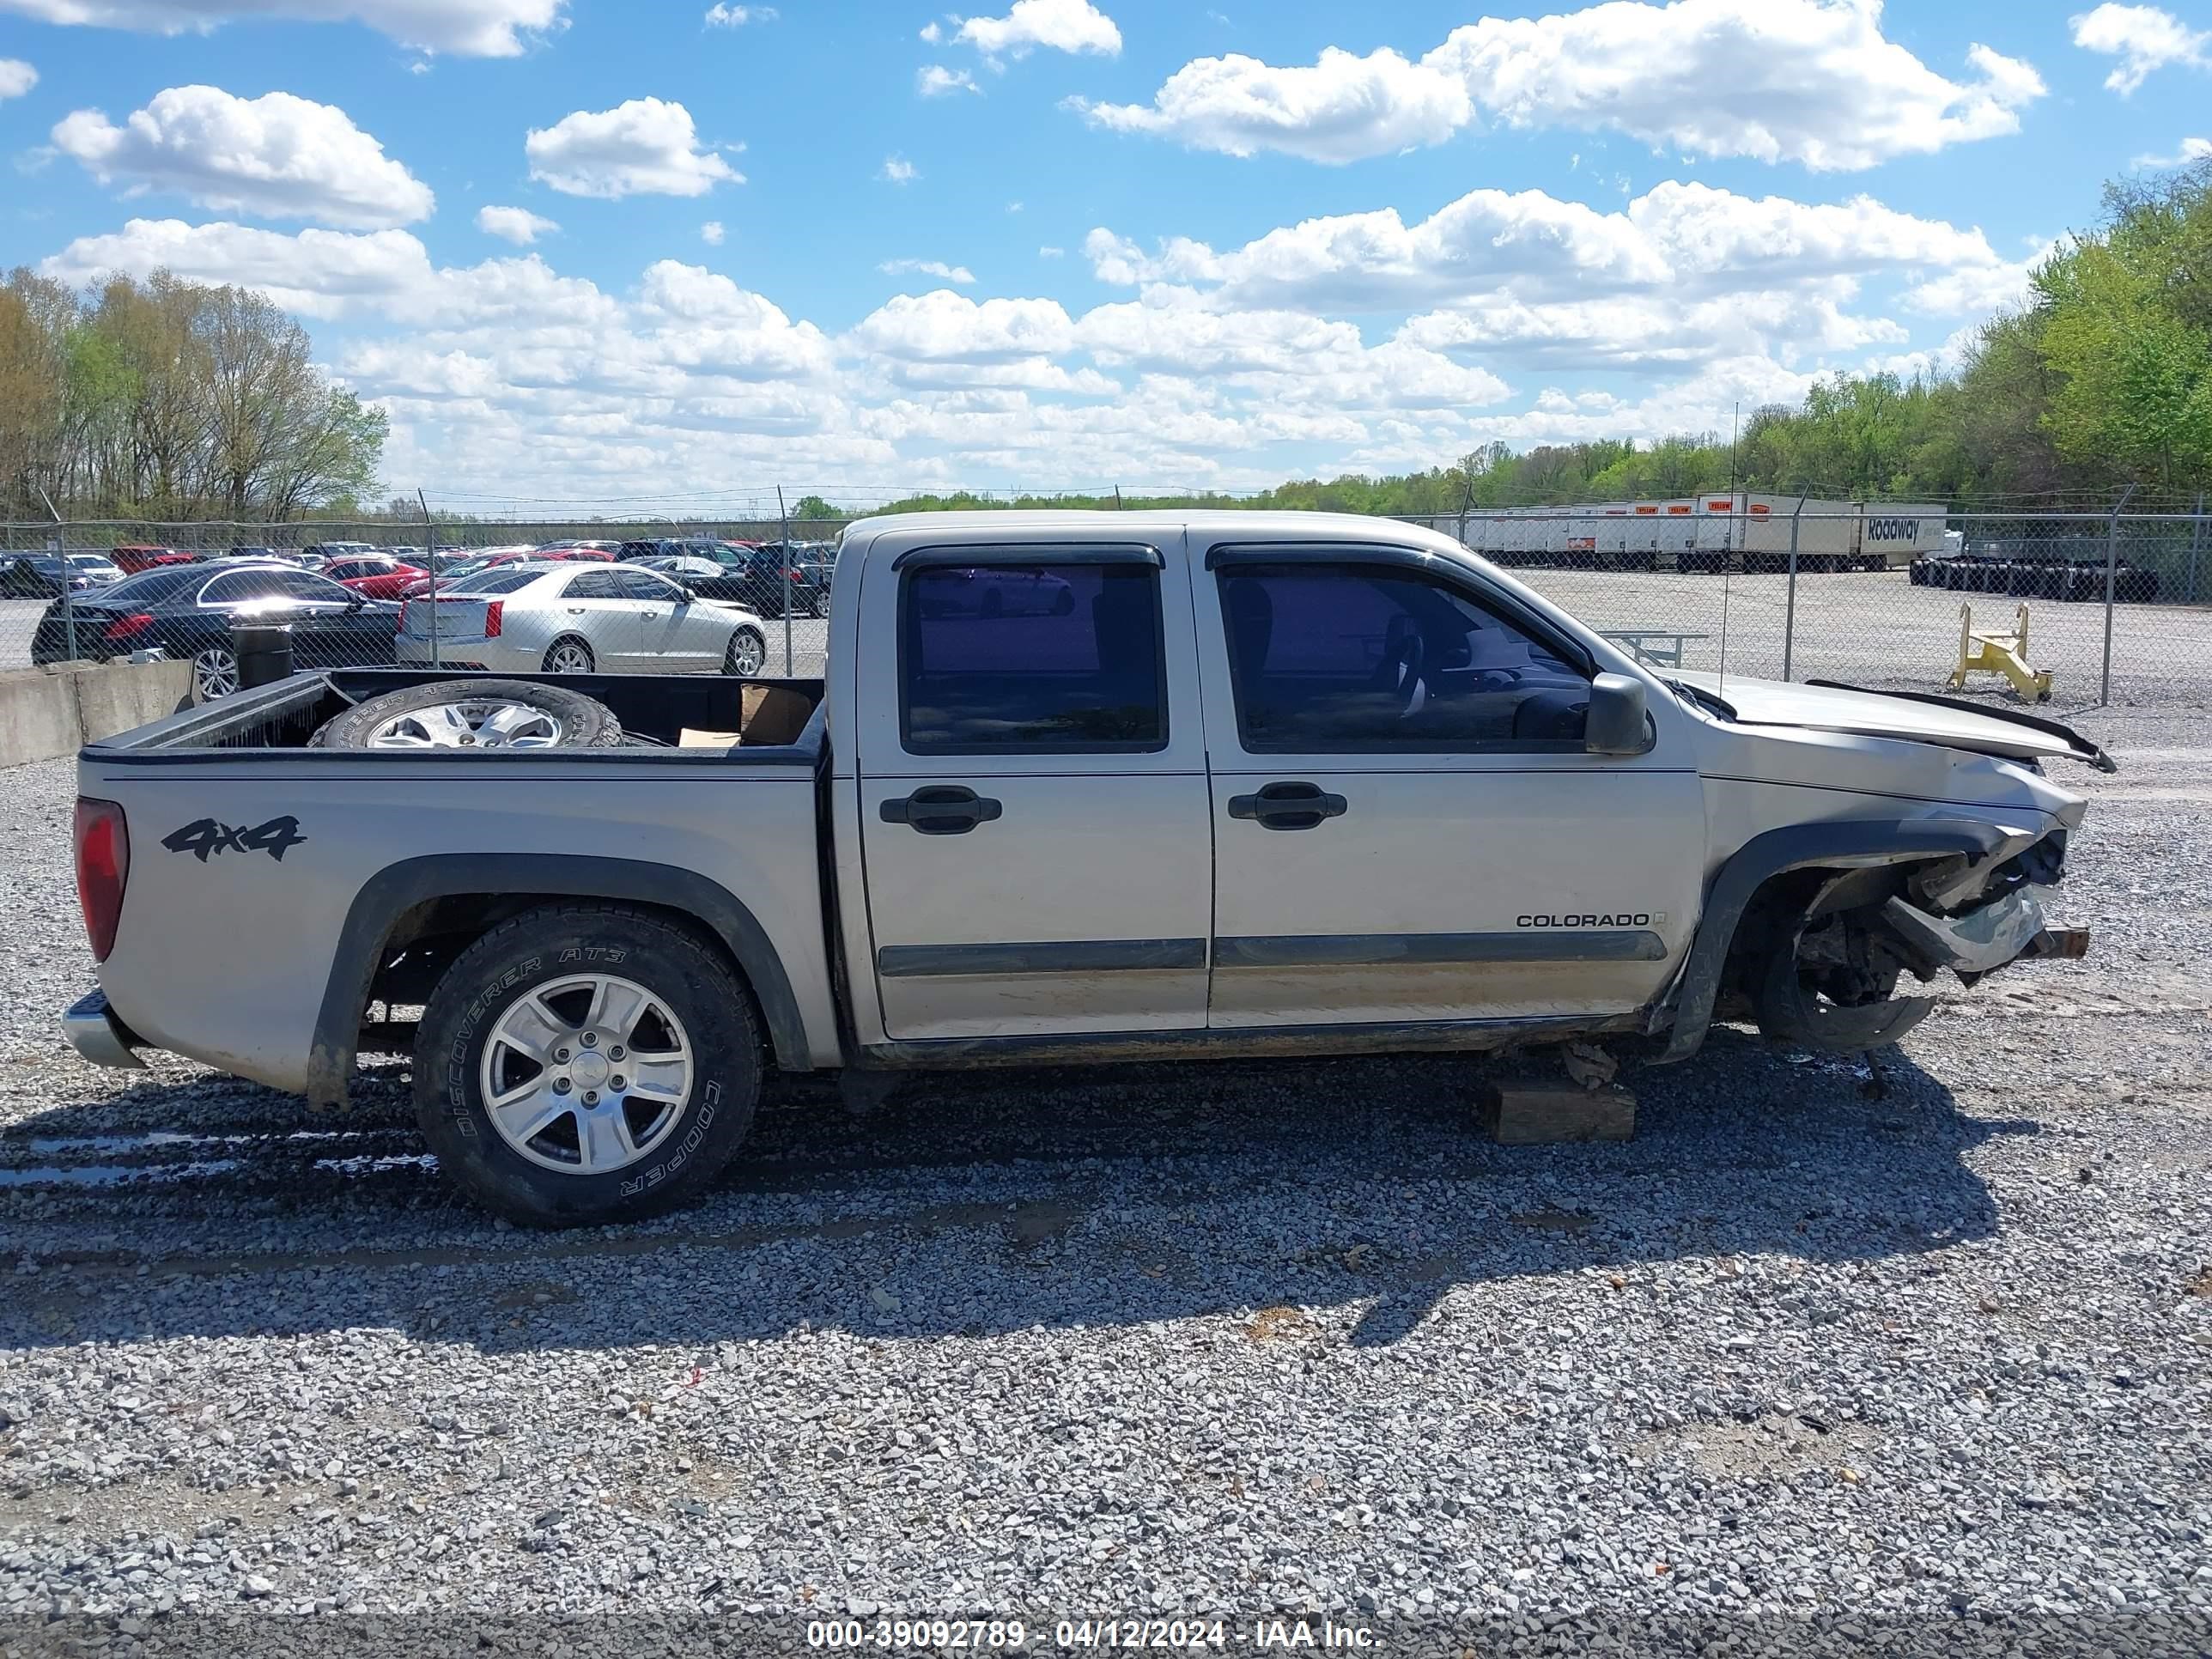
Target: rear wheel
{"x": 568, "y": 655}
{"x": 585, "y": 1063}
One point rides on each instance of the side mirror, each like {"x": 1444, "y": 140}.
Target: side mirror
{"x": 687, "y": 595}
{"x": 1615, "y": 726}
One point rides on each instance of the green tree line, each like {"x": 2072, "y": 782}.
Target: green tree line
{"x": 173, "y": 400}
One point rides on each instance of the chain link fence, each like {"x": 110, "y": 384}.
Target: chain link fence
{"x": 2119, "y": 605}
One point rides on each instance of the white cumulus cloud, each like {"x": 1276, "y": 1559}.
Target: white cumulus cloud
{"x": 17, "y": 77}
{"x": 277, "y": 155}
{"x": 2143, "y": 37}
{"x": 467, "y": 28}
{"x": 711, "y": 233}
{"x": 935, "y": 80}
{"x": 1812, "y": 81}
{"x": 721, "y": 16}
{"x": 513, "y": 224}
{"x": 2192, "y": 149}
{"x": 645, "y": 147}
{"x": 899, "y": 170}
{"x": 936, "y": 268}
{"x": 942, "y": 326}
{"x": 1074, "y": 26}
{"x": 1340, "y": 109}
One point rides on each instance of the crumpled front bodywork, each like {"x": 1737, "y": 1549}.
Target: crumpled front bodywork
{"x": 1852, "y": 868}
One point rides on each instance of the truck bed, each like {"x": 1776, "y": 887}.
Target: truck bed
{"x": 654, "y": 710}
{"x": 276, "y": 889}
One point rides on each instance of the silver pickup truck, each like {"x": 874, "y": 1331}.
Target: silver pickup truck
{"x": 1076, "y": 787}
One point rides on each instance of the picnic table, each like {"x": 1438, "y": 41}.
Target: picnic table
{"x": 1662, "y": 648}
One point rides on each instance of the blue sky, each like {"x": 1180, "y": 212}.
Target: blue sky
{"x": 1291, "y": 239}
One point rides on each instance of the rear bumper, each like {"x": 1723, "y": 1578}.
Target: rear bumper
{"x": 95, "y": 1032}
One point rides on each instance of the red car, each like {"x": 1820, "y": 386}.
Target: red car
{"x": 373, "y": 579}
{"x": 420, "y": 588}
{"x": 134, "y": 557}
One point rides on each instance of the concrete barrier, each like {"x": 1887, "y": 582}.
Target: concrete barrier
{"x": 47, "y": 712}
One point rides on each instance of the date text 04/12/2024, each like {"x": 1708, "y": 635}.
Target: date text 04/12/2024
{"x": 1012, "y": 1635}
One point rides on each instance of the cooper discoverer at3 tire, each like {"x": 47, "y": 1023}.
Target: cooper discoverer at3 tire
{"x": 585, "y": 1063}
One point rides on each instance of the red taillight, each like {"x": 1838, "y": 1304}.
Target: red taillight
{"x": 103, "y": 865}
{"x": 124, "y": 626}
{"x": 494, "y": 610}
{"x": 400, "y": 627}
{"x": 796, "y": 575}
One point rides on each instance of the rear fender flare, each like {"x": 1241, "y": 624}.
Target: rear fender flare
{"x": 399, "y": 888}
{"x": 1850, "y": 844}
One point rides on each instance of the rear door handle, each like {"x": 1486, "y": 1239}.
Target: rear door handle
{"x": 1288, "y": 805}
{"x": 942, "y": 809}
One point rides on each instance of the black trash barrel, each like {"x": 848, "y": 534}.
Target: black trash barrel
{"x": 264, "y": 652}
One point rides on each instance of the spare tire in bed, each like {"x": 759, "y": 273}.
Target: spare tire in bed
{"x": 474, "y": 713}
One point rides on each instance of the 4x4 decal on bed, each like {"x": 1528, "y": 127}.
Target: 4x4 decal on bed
{"x": 205, "y": 836}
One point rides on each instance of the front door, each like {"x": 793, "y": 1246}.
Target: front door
{"x": 1033, "y": 796}
{"x": 1407, "y": 828}
{"x": 676, "y": 636}
{"x": 593, "y": 608}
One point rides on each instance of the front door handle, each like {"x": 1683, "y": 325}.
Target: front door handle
{"x": 1289, "y": 806}
{"x": 942, "y": 809}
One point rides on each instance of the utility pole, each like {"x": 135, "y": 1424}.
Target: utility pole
{"x": 2195, "y": 544}
{"x": 430, "y": 560}
{"x": 784, "y": 512}
{"x": 61, "y": 554}
{"x": 2111, "y": 574}
{"x": 1789, "y": 611}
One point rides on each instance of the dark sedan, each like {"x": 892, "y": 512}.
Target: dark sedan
{"x": 755, "y": 577}
{"x": 44, "y": 575}
{"x": 186, "y": 612}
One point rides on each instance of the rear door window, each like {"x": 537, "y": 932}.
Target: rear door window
{"x": 1024, "y": 657}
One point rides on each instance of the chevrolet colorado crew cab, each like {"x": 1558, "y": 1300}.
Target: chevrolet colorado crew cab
{"x": 1074, "y": 787}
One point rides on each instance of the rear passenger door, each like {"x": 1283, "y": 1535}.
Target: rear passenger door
{"x": 1033, "y": 796}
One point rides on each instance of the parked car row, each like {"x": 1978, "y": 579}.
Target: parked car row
{"x": 765, "y": 577}
{"x": 49, "y": 575}
{"x": 573, "y": 611}
{"x": 2074, "y": 580}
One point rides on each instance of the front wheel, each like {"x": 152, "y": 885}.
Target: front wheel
{"x": 584, "y": 1063}
{"x": 747, "y": 654}
{"x": 215, "y": 673}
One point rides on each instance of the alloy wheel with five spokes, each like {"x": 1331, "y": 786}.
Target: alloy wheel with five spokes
{"x": 587, "y": 1075}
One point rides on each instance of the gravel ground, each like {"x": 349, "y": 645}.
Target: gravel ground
{"x": 1803, "y": 1367}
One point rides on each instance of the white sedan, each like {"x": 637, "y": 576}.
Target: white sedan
{"x": 578, "y": 617}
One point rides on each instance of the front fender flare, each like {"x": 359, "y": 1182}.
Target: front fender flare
{"x": 1854, "y": 843}
{"x": 398, "y": 888}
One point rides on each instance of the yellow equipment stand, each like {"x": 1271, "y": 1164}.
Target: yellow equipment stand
{"x": 1999, "y": 654}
